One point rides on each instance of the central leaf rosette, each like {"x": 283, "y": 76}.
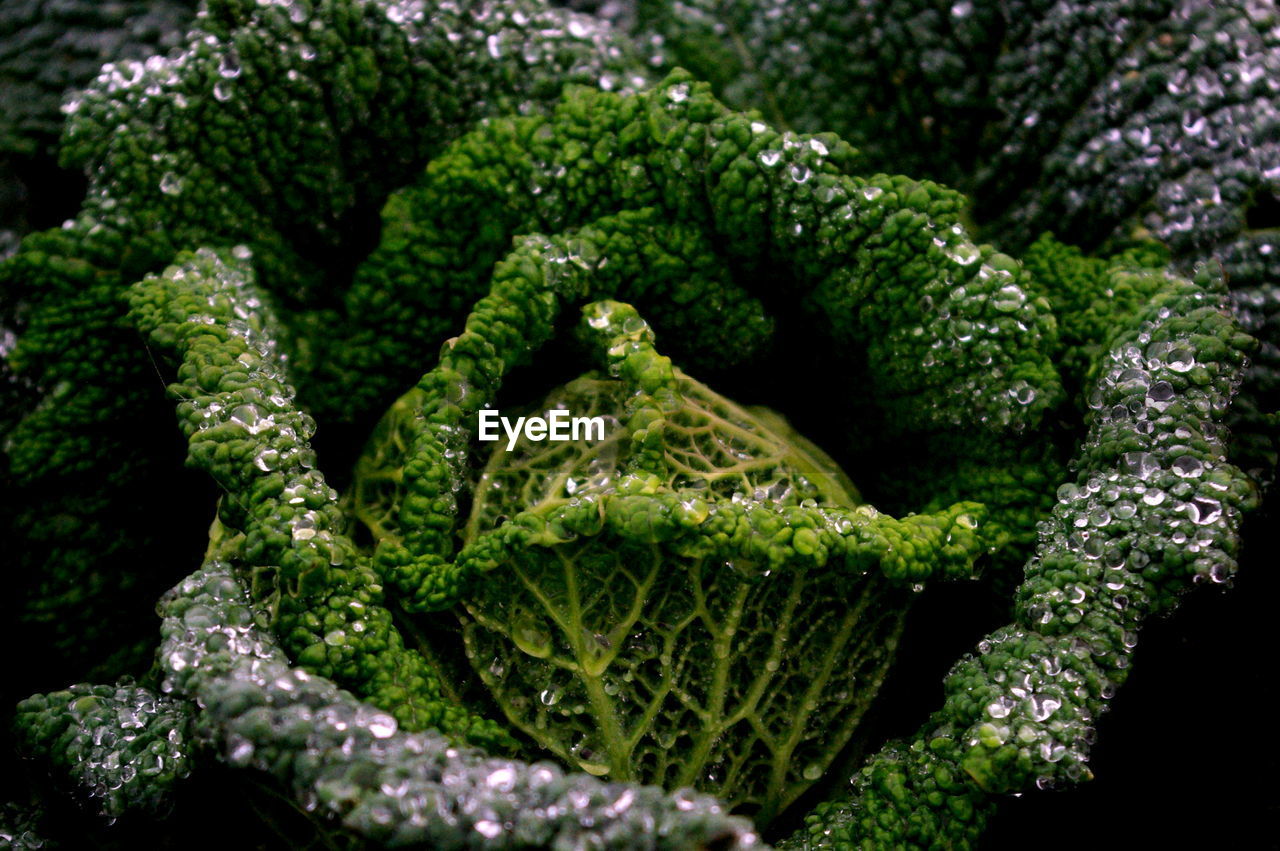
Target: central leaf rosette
{"x": 719, "y": 628}
{"x": 697, "y": 599}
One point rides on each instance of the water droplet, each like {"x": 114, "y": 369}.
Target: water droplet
{"x": 590, "y": 756}
{"x": 502, "y": 779}
{"x": 694, "y": 510}
{"x": 1022, "y": 393}
{"x": 267, "y": 460}
{"x": 1133, "y": 381}
{"x": 964, "y": 253}
{"x": 1188, "y": 467}
{"x": 1181, "y": 359}
{"x": 170, "y": 184}
{"x": 1160, "y": 395}
{"x": 1008, "y": 298}
{"x": 1206, "y": 510}
{"x": 382, "y": 726}
{"x": 229, "y": 65}
{"x": 530, "y": 635}
{"x": 241, "y": 752}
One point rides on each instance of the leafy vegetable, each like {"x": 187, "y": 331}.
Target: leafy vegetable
{"x": 47, "y": 49}
{"x": 702, "y": 597}
{"x": 238, "y": 415}
{"x": 1153, "y": 507}
{"x": 121, "y": 744}
{"x": 243, "y": 428}
{"x": 1088, "y": 118}
{"x": 349, "y": 760}
{"x": 787, "y": 214}
{"x": 1104, "y": 121}
{"x": 274, "y": 126}
{"x": 345, "y": 759}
